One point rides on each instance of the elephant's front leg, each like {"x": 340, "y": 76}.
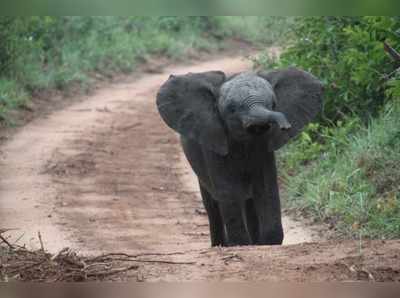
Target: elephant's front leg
{"x": 267, "y": 204}
{"x": 270, "y": 230}
{"x": 235, "y": 228}
{"x": 214, "y": 218}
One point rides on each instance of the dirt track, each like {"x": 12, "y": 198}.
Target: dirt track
{"x": 106, "y": 175}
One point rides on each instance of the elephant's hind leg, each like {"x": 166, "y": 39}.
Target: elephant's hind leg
{"x": 214, "y": 218}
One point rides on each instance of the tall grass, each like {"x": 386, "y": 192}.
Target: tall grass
{"x": 354, "y": 185}
{"x": 52, "y": 52}
{"x": 11, "y": 97}
{"x": 264, "y": 31}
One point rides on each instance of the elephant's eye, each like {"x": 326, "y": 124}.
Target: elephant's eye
{"x": 231, "y": 109}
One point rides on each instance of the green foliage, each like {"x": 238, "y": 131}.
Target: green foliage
{"x": 11, "y": 97}
{"x": 394, "y": 86}
{"x": 355, "y": 187}
{"x": 316, "y": 140}
{"x": 347, "y": 54}
{"x": 262, "y": 30}
{"x": 54, "y": 52}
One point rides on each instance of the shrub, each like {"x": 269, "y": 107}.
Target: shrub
{"x": 11, "y": 97}
{"x": 347, "y": 54}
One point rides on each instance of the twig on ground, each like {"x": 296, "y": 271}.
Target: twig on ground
{"x": 134, "y": 258}
{"x": 25, "y": 265}
{"x": 41, "y": 241}
{"x": 165, "y": 262}
{"x": 61, "y": 252}
{"x": 160, "y": 254}
{"x": 6, "y": 242}
{"x": 110, "y": 255}
{"x": 18, "y": 270}
{"x": 3, "y": 239}
{"x": 112, "y": 272}
{"x": 2, "y": 231}
{"x": 19, "y": 238}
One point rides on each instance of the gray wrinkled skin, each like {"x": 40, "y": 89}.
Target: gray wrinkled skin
{"x": 246, "y": 87}
{"x": 241, "y": 102}
{"x": 229, "y": 131}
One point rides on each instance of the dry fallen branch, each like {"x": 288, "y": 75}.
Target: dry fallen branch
{"x": 18, "y": 263}
{"x": 21, "y": 264}
{"x": 41, "y": 241}
{"x": 113, "y": 272}
{"x": 3, "y": 239}
{"x": 391, "y": 51}
{"x": 166, "y": 262}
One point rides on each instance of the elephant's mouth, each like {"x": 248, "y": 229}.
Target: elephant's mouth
{"x": 258, "y": 129}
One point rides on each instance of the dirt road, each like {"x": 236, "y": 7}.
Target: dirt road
{"x": 106, "y": 175}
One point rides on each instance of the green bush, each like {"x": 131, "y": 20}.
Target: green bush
{"x": 347, "y": 54}
{"x": 262, "y": 30}
{"x": 11, "y": 97}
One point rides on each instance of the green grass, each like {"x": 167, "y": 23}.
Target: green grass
{"x": 12, "y": 97}
{"x": 39, "y": 53}
{"x": 53, "y": 53}
{"x": 264, "y": 31}
{"x": 354, "y": 184}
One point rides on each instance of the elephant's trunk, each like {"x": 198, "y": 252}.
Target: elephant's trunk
{"x": 260, "y": 119}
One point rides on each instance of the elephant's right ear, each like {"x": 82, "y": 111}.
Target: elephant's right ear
{"x": 188, "y": 104}
{"x": 298, "y": 96}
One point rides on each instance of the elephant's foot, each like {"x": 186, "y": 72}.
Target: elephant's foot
{"x": 214, "y": 218}
{"x": 235, "y": 228}
{"x": 271, "y": 237}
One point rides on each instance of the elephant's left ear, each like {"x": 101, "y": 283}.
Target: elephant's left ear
{"x": 188, "y": 104}
{"x": 299, "y": 98}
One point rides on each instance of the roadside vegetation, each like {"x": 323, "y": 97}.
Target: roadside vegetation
{"x": 344, "y": 169}
{"x": 42, "y": 53}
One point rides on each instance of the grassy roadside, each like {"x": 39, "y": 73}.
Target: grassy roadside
{"x": 353, "y": 185}
{"x": 48, "y": 53}
{"x": 54, "y": 53}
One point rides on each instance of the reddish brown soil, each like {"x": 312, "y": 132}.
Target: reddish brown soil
{"x": 106, "y": 175}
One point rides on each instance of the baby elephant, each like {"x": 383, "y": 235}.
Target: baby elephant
{"x": 230, "y": 128}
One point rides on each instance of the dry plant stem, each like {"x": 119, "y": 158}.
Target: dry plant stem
{"x": 27, "y": 267}
{"x": 110, "y": 255}
{"x": 6, "y": 242}
{"x": 161, "y": 262}
{"x": 391, "y": 51}
{"x": 112, "y": 272}
{"x": 41, "y": 241}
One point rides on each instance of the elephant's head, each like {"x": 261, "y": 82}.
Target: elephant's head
{"x": 212, "y": 110}
{"x": 247, "y": 105}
